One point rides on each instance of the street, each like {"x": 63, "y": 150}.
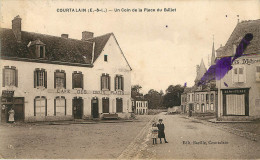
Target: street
{"x": 190, "y": 139}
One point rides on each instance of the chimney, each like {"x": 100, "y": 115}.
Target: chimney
{"x": 64, "y": 35}
{"x": 17, "y": 28}
{"x": 87, "y": 35}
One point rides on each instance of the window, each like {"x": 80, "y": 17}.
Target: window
{"x": 212, "y": 97}
{"x": 41, "y": 52}
{"x": 105, "y": 82}
{"x": 238, "y": 74}
{"x": 105, "y": 58}
{"x": 10, "y": 76}
{"x": 119, "y": 105}
{"x": 105, "y": 105}
{"x": 40, "y": 78}
{"x": 235, "y": 104}
{"x": 198, "y": 106}
{"x": 60, "y": 106}
{"x": 77, "y": 80}
{"x": 59, "y": 79}
{"x": 207, "y": 97}
{"x": 119, "y": 82}
{"x": 40, "y": 106}
{"x": 212, "y": 106}
{"x": 198, "y": 97}
{"x": 202, "y": 97}
{"x": 258, "y": 73}
{"x": 192, "y": 97}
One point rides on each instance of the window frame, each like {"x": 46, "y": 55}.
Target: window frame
{"x": 236, "y": 75}
{"x": 45, "y": 106}
{"x": 81, "y": 76}
{"x": 15, "y": 76}
{"x": 119, "y": 83}
{"x": 37, "y": 72}
{"x": 119, "y": 109}
{"x": 105, "y": 82}
{"x": 55, "y": 105}
{"x": 56, "y": 76}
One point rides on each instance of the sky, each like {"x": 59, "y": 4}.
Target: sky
{"x": 163, "y": 48}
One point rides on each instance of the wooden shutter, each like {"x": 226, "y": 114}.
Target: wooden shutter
{"x": 55, "y": 106}
{"x": 82, "y": 81}
{"x": 101, "y": 83}
{"x": 16, "y": 77}
{"x": 3, "y": 82}
{"x": 65, "y": 80}
{"x": 115, "y": 82}
{"x": 108, "y": 82}
{"x": 122, "y": 83}
{"x": 45, "y": 106}
{"x": 65, "y": 106}
{"x": 55, "y": 79}
{"x": 35, "y": 79}
{"x": 34, "y": 106}
{"x": 73, "y": 81}
{"x": 45, "y": 79}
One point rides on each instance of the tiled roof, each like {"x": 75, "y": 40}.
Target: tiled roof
{"x": 56, "y": 48}
{"x": 242, "y": 28}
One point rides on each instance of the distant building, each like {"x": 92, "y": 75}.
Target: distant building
{"x": 140, "y": 105}
{"x": 239, "y": 90}
{"x": 48, "y": 78}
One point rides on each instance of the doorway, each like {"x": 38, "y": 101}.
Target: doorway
{"x": 94, "y": 110}
{"x": 77, "y": 104}
{"x": 17, "y": 103}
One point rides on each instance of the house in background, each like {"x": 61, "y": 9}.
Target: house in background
{"x": 139, "y": 105}
{"x": 48, "y": 78}
{"x": 239, "y": 90}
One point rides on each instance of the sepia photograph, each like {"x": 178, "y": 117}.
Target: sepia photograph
{"x": 112, "y": 79}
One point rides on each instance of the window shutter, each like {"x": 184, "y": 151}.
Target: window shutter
{"x": 108, "y": 82}
{"x": 45, "y": 79}
{"x": 73, "y": 81}
{"x": 122, "y": 83}
{"x": 34, "y": 106}
{"x": 115, "y": 82}
{"x": 45, "y": 106}
{"x": 16, "y": 78}
{"x": 55, "y": 79}
{"x": 65, "y": 106}
{"x": 101, "y": 83}
{"x": 65, "y": 80}
{"x": 82, "y": 81}
{"x": 55, "y": 107}
{"x": 35, "y": 79}
{"x": 3, "y": 77}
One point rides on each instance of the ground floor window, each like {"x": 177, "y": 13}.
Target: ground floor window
{"x": 198, "y": 107}
{"x": 212, "y": 106}
{"x": 40, "y": 106}
{"x": 119, "y": 105}
{"x": 202, "y": 108}
{"x": 105, "y": 105}
{"x": 235, "y": 104}
{"x": 207, "y": 106}
{"x": 60, "y": 106}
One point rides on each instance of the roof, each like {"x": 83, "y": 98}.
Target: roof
{"x": 242, "y": 28}
{"x": 56, "y": 48}
{"x": 139, "y": 98}
{"x": 201, "y": 71}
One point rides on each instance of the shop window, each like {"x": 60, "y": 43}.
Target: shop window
{"x": 258, "y": 73}
{"x": 59, "y": 79}
{"x": 40, "y": 78}
{"x": 40, "y": 106}
{"x": 10, "y": 76}
{"x": 105, "y": 82}
{"x": 77, "y": 80}
{"x": 59, "y": 106}
{"x": 119, "y": 82}
{"x": 119, "y": 105}
{"x": 238, "y": 74}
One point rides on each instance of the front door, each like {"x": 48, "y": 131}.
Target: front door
{"x": 77, "y": 108}
{"x": 18, "y": 108}
{"x": 95, "y": 108}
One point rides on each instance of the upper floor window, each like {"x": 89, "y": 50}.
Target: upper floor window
{"x": 105, "y": 82}
{"x": 59, "y": 79}
{"x": 207, "y": 97}
{"x": 258, "y": 73}
{"x": 40, "y": 78}
{"x": 192, "y": 97}
{"x": 212, "y": 97}
{"x": 77, "y": 80}
{"x": 119, "y": 82}
{"x": 198, "y": 97}
{"x": 202, "y": 97}
{"x": 10, "y": 76}
{"x": 105, "y": 58}
{"x": 238, "y": 74}
{"x": 40, "y": 106}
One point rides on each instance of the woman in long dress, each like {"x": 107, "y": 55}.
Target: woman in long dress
{"x": 11, "y": 116}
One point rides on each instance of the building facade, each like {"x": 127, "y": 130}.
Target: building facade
{"x": 48, "y": 78}
{"x": 239, "y": 90}
{"x": 140, "y": 105}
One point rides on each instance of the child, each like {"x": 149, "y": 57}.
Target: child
{"x": 154, "y": 131}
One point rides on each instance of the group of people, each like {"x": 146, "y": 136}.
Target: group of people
{"x": 157, "y": 131}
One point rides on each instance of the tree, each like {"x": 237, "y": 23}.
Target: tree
{"x": 173, "y": 96}
{"x": 154, "y": 99}
{"x": 135, "y": 91}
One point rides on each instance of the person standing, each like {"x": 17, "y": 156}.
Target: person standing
{"x": 11, "y": 115}
{"x": 161, "y": 133}
{"x": 154, "y": 132}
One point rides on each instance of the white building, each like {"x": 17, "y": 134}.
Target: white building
{"x": 140, "y": 105}
{"x": 57, "y": 78}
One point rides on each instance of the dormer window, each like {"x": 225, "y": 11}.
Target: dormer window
{"x": 41, "y": 52}
{"x": 39, "y": 48}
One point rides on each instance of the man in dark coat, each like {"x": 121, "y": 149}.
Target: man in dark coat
{"x": 161, "y": 133}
